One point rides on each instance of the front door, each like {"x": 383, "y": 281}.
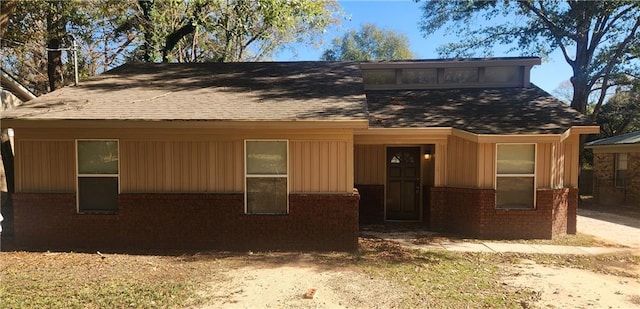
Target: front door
{"x": 403, "y": 183}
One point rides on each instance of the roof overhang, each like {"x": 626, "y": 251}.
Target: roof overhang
{"x": 617, "y": 148}
{"x": 192, "y": 124}
{"x": 452, "y": 63}
{"x": 435, "y": 134}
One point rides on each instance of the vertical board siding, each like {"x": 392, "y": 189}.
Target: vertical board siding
{"x": 557, "y": 168}
{"x": 571, "y": 155}
{"x": 486, "y": 165}
{"x": 544, "y": 165}
{"x": 143, "y": 166}
{"x": 181, "y": 166}
{"x": 369, "y": 164}
{"x": 463, "y": 162}
{"x": 46, "y": 166}
{"x": 318, "y": 166}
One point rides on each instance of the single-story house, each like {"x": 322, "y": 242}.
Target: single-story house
{"x": 616, "y": 166}
{"x": 265, "y": 156}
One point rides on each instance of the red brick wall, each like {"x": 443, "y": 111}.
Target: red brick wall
{"x": 186, "y": 222}
{"x": 472, "y": 212}
{"x": 371, "y": 204}
{"x": 605, "y": 191}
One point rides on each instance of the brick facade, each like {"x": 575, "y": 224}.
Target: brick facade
{"x": 371, "y": 204}
{"x": 605, "y": 192}
{"x": 472, "y": 212}
{"x": 186, "y": 222}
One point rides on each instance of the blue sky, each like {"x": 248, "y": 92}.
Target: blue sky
{"x": 403, "y": 16}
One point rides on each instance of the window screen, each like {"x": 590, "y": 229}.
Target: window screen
{"x": 266, "y": 177}
{"x": 97, "y": 175}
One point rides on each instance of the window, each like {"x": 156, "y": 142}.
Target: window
{"x": 502, "y": 74}
{"x": 419, "y": 76}
{"x": 515, "y": 176}
{"x": 266, "y": 168}
{"x": 97, "y": 168}
{"x": 621, "y": 169}
{"x": 379, "y": 77}
{"x": 460, "y": 75}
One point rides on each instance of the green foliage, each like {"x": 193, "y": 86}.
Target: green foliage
{"x": 598, "y": 39}
{"x": 369, "y": 43}
{"x": 110, "y": 32}
{"x": 91, "y": 22}
{"x": 225, "y": 31}
{"x": 621, "y": 114}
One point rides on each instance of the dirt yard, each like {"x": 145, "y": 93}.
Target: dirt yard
{"x": 381, "y": 275}
{"x": 563, "y": 287}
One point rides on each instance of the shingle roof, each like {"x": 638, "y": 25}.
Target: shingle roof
{"x": 623, "y": 139}
{"x": 480, "y": 111}
{"x": 209, "y": 91}
{"x": 285, "y": 91}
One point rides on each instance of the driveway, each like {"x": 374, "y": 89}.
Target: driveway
{"x": 614, "y": 228}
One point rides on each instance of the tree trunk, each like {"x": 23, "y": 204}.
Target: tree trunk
{"x": 147, "y": 47}
{"x": 6, "y": 203}
{"x": 56, "y": 29}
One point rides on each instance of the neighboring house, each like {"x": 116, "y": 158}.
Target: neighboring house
{"x": 616, "y": 165}
{"x": 265, "y": 156}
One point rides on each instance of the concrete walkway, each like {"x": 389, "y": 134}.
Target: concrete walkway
{"x": 609, "y": 227}
{"x": 408, "y": 239}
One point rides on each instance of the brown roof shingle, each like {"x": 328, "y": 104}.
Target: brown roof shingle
{"x": 287, "y": 91}
{"x": 209, "y": 91}
{"x": 481, "y": 111}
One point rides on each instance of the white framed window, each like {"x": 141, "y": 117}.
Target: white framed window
{"x": 266, "y": 168}
{"x": 515, "y": 176}
{"x": 621, "y": 169}
{"x": 97, "y": 168}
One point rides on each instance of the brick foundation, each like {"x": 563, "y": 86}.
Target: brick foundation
{"x": 371, "y": 204}
{"x": 605, "y": 190}
{"x": 186, "y": 222}
{"x": 472, "y": 212}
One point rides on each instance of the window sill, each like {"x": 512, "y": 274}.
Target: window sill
{"x": 97, "y": 212}
{"x": 514, "y": 208}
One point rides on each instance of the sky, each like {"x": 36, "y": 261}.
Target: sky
{"x": 403, "y": 16}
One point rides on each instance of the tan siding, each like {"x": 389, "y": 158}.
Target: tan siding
{"x": 46, "y": 166}
{"x": 198, "y": 160}
{"x": 369, "y": 164}
{"x": 544, "y": 165}
{"x": 571, "y": 154}
{"x": 440, "y": 168}
{"x": 486, "y": 165}
{"x": 463, "y": 162}
{"x": 170, "y": 166}
{"x": 319, "y": 166}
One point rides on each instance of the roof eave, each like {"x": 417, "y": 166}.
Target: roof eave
{"x": 178, "y": 124}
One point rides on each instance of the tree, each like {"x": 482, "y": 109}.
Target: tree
{"x": 369, "y": 43}
{"x": 599, "y": 39}
{"x": 226, "y": 31}
{"x": 621, "y": 113}
{"x": 36, "y": 41}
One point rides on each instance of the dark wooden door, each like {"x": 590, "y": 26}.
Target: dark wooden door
{"x": 403, "y": 183}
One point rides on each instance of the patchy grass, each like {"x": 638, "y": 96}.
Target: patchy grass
{"x": 77, "y": 280}
{"x": 579, "y": 239}
{"x": 441, "y": 279}
{"x": 434, "y": 279}
{"x": 622, "y": 265}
